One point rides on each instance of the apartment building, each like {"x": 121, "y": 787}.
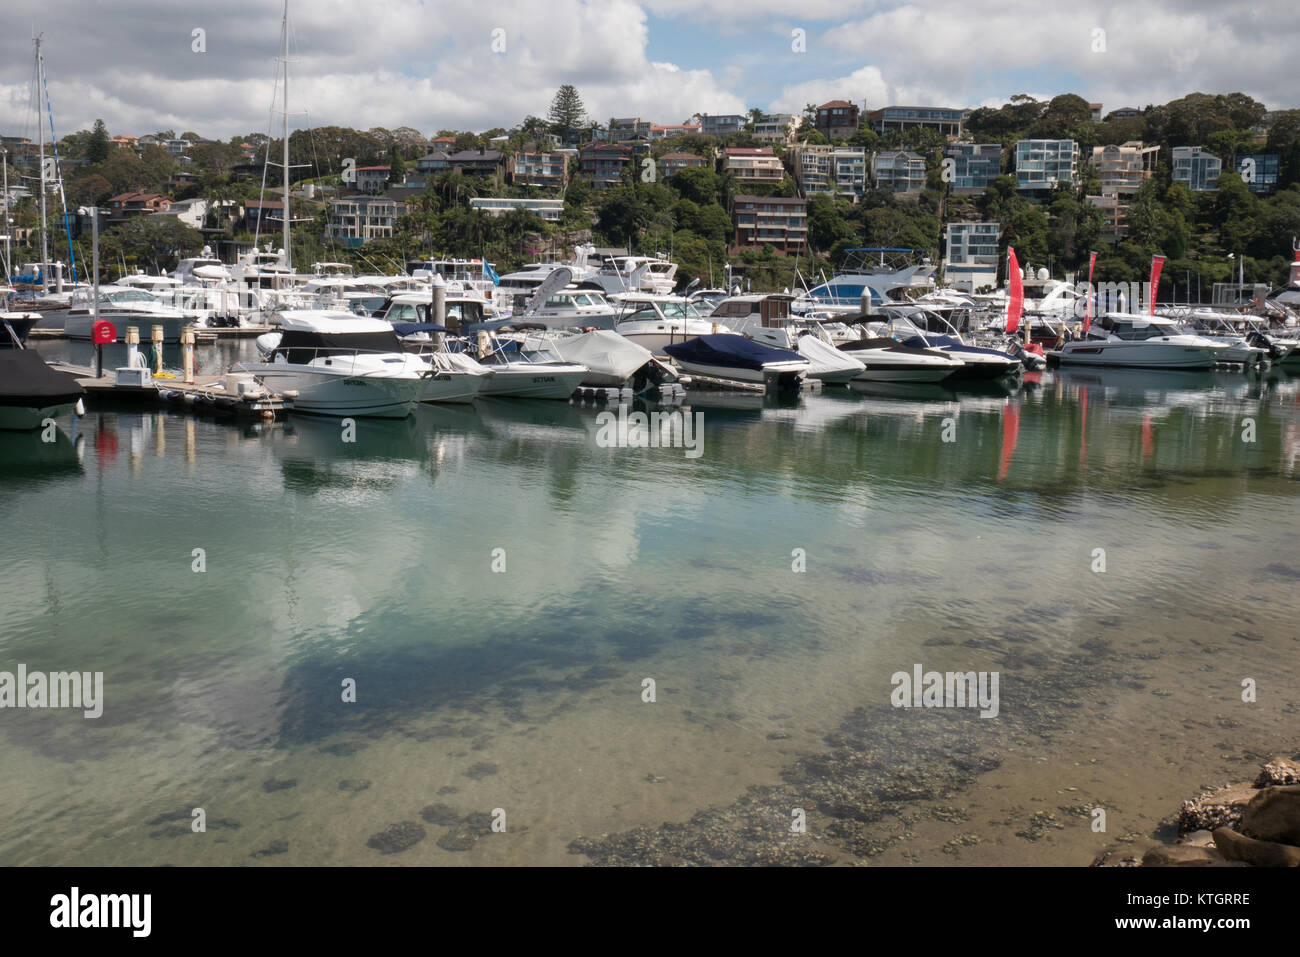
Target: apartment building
{"x": 752, "y": 164}
{"x": 971, "y": 260}
{"x": 974, "y": 166}
{"x": 777, "y": 221}
{"x": 1197, "y": 169}
{"x": 1043, "y": 164}
{"x": 837, "y": 119}
{"x": 602, "y": 164}
{"x": 530, "y": 167}
{"x": 945, "y": 120}
{"x": 357, "y": 220}
{"x": 900, "y": 171}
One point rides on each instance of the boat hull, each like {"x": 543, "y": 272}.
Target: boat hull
{"x": 533, "y": 381}
{"x": 453, "y": 387}
{"x": 1132, "y": 355}
{"x": 341, "y": 394}
{"x": 774, "y": 377}
{"x": 22, "y": 418}
{"x": 78, "y": 325}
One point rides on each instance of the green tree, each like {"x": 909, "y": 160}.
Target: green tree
{"x": 98, "y": 146}
{"x": 567, "y": 112}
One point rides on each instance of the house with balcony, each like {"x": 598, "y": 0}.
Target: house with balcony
{"x": 753, "y": 164}
{"x": 899, "y": 171}
{"x": 812, "y": 169}
{"x": 602, "y": 164}
{"x": 547, "y": 210}
{"x": 480, "y": 162}
{"x": 849, "y": 172}
{"x": 837, "y": 119}
{"x": 263, "y": 214}
{"x": 971, "y": 258}
{"x": 1044, "y": 164}
{"x": 124, "y": 142}
{"x": 669, "y": 132}
{"x": 722, "y": 124}
{"x": 974, "y": 166}
{"x": 777, "y": 221}
{"x": 943, "y": 119}
{"x": 1122, "y": 170}
{"x": 372, "y": 179}
{"x": 1196, "y": 168}
{"x": 127, "y": 205}
{"x": 776, "y": 127}
{"x": 357, "y": 220}
{"x": 671, "y": 163}
{"x": 629, "y": 129}
{"x": 532, "y": 167}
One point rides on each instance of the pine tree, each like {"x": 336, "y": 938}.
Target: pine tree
{"x": 567, "y": 112}
{"x": 97, "y": 147}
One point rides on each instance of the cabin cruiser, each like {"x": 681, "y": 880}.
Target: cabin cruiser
{"x": 30, "y": 391}
{"x": 461, "y": 309}
{"x": 731, "y": 357}
{"x": 515, "y": 372}
{"x": 655, "y": 321}
{"x": 878, "y": 272}
{"x": 123, "y": 306}
{"x": 201, "y": 269}
{"x": 336, "y": 363}
{"x": 631, "y": 274}
{"x": 1125, "y": 339}
{"x": 458, "y": 377}
{"x": 18, "y": 323}
{"x": 1245, "y": 336}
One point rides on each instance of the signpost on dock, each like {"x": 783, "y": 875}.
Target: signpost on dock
{"x": 102, "y": 333}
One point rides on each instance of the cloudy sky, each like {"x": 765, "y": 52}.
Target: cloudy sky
{"x": 431, "y": 64}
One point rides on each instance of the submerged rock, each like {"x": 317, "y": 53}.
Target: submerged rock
{"x": 442, "y": 814}
{"x": 354, "y": 785}
{"x": 397, "y": 837}
{"x": 277, "y": 784}
{"x": 481, "y": 770}
{"x": 275, "y": 847}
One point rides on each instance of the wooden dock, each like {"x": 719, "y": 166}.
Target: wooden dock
{"x": 207, "y": 395}
{"x": 202, "y": 333}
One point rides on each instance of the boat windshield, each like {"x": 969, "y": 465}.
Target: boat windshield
{"x": 679, "y": 310}
{"x": 127, "y": 296}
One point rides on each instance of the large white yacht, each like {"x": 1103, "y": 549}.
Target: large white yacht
{"x": 876, "y": 271}
{"x": 632, "y": 274}
{"x": 1152, "y": 342}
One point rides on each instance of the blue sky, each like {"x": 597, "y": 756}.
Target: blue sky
{"x": 427, "y": 63}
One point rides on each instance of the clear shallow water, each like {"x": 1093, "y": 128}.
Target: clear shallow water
{"x": 522, "y": 690}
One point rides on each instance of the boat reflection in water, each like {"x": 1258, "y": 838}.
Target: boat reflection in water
{"x": 27, "y": 457}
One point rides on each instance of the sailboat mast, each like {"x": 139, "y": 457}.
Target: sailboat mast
{"x": 40, "y": 139}
{"x": 4, "y": 158}
{"x": 288, "y": 248}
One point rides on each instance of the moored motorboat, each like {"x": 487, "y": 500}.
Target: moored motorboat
{"x": 731, "y": 357}
{"x": 887, "y": 360}
{"x": 336, "y": 363}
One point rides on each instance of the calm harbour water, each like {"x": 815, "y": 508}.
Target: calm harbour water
{"x": 522, "y": 690}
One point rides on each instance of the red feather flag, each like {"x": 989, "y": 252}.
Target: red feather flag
{"x": 1016, "y": 299}
{"x": 1157, "y": 263}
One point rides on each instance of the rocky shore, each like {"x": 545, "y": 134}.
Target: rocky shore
{"x": 1242, "y": 825}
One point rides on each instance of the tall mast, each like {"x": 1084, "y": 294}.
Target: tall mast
{"x": 288, "y": 248}
{"x": 4, "y": 156}
{"x": 40, "y": 139}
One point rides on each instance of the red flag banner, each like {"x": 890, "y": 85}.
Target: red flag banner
{"x": 1157, "y": 263}
{"x": 1016, "y": 296}
{"x": 1087, "y": 313}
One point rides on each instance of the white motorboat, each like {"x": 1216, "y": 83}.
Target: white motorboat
{"x": 887, "y": 360}
{"x": 124, "y": 306}
{"x": 657, "y": 321}
{"x": 336, "y": 363}
{"x": 1152, "y": 342}
{"x": 516, "y": 373}
{"x": 767, "y": 319}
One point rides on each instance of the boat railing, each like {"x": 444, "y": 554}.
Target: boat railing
{"x": 305, "y": 355}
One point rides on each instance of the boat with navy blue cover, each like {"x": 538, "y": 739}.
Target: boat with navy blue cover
{"x": 30, "y": 391}
{"x": 727, "y": 356}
